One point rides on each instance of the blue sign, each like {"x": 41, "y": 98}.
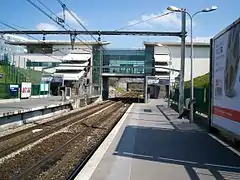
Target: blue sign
{"x": 58, "y": 79}
{"x": 164, "y": 81}
{"x": 13, "y": 88}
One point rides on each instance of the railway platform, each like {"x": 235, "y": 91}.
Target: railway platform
{"x": 149, "y": 142}
{"x": 28, "y": 104}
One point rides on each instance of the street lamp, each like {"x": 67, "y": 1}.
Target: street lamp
{"x": 191, "y": 16}
{"x": 170, "y": 64}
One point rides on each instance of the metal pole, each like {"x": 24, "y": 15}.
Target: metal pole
{"x": 100, "y": 70}
{"x": 181, "y": 83}
{"x": 192, "y": 81}
{"x": 169, "y": 86}
{"x": 146, "y": 89}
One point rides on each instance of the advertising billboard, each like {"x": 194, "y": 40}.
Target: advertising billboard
{"x": 226, "y": 80}
{"x": 26, "y": 89}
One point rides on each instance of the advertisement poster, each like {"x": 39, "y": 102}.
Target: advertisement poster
{"x": 226, "y": 80}
{"x": 26, "y": 89}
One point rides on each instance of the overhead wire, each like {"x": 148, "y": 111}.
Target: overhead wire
{"x": 78, "y": 21}
{"x": 9, "y": 26}
{"x": 41, "y": 10}
{"x": 54, "y": 14}
{"x": 76, "y": 18}
{"x": 143, "y": 21}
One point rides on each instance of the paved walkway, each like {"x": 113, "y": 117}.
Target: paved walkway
{"x": 147, "y": 145}
{"x": 29, "y": 104}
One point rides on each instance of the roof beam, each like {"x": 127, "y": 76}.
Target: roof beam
{"x": 111, "y": 33}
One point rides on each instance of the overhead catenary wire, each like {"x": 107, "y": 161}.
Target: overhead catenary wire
{"x": 79, "y": 22}
{"x": 9, "y": 26}
{"x": 60, "y": 24}
{"x": 76, "y": 18}
{"x": 56, "y": 16}
{"x": 143, "y": 21}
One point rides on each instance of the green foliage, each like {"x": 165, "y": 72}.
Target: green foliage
{"x": 14, "y": 75}
{"x": 120, "y": 90}
{"x": 201, "y": 81}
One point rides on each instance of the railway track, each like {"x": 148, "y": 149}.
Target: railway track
{"x": 89, "y": 124}
{"x": 26, "y": 136}
{"x": 54, "y": 162}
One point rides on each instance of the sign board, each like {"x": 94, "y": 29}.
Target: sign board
{"x": 26, "y": 89}
{"x": 13, "y": 88}
{"x": 57, "y": 79}
{"x": 44, "y": 87}
{"x": 155, "y": 80}
{"x": 46, "y": 78}
{"x": 1, "y": 75}
{"x": 226, "y": 80}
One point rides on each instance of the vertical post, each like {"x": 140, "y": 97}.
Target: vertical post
{"x": 181, "y": 83}
{"x": 169, "y": 86}
{"x": 210, "y": 87}
{"x": 192, "y": 80}
{"x": 100, "y": 70}
{"x": 146, "y": 89}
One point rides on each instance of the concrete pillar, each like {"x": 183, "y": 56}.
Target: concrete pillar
{"x": 105, "y": 85}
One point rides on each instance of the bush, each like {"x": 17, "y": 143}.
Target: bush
{"x": 201, "y": 81}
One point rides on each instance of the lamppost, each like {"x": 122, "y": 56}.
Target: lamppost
{"x": 170, "y": 64}
{"x": 191, "y": 16}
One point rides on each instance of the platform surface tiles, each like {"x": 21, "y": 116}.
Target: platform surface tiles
{"x": 150, "y": 143}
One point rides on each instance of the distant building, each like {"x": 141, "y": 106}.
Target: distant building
{"x": 8, "y": 51}
{"x": 59, "y": 58}
{"x": 163, "y": 50}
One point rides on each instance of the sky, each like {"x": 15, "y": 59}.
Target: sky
{"x": 112, "y": 15}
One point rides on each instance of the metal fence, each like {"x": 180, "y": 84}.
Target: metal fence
{"x": 201, "y": 95}
{"x": 5, "y": 92}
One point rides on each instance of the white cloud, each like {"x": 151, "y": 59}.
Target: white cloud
{"x": 70, "y": 19}
{"x": 46, "y": 27}
{"x": 171, "y": 21}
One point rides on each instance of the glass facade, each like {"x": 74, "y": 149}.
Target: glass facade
{"x": 123, "y": 61}
{"x": 42, "y": 64}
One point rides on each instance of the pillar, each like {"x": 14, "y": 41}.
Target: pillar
{"x": 105, "y": 87}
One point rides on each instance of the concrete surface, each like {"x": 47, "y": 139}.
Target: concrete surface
{"x": 28, "y": 104}
{"x": 147, "y": 145}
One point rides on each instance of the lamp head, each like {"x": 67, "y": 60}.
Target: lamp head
{"x": 159, "y": 45}
{"x": 213, "y": 8}
{"x": 174, "y": 9}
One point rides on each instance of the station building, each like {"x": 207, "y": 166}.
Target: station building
{"x": 160, "y": 59}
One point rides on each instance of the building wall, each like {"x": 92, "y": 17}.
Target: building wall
{"x": 10, "y": 51}
{"x": 201, "y": 60}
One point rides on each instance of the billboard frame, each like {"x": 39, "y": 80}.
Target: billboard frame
{"x": 215, "y": 127}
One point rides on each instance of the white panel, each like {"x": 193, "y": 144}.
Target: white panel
{"x": 162, "y": 58}
{"x": 69, "y": 68}
{"x": 75, "y": 57}
{"x": 71, "y": 76}
{"x": 161, "y": 69}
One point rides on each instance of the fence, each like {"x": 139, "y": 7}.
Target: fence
{"x": 6, "y": 94}
{"x": 201, "y": 95}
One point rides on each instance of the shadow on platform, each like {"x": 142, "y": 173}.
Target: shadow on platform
{"x": 190, "y": 149}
